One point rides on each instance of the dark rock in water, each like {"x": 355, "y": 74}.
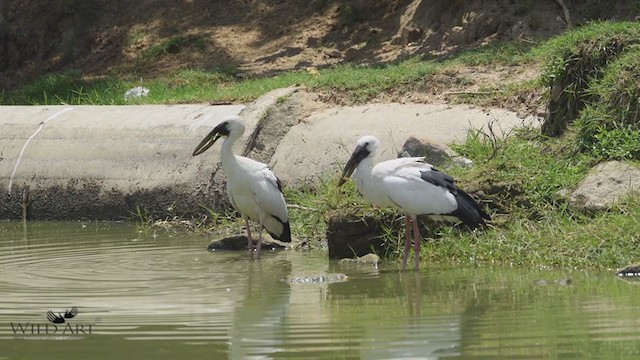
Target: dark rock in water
{"x": 353, "y": 234}
{"x": 372, "y": 259}
{"x": 631, "y": 270}
{"x": 316, "y": 279}
{"x": 349, "y": 235}
{"x": 240, "y": 242}
{"x": 236, "y": 242}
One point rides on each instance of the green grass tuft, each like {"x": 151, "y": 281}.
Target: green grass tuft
{"x": 525, "y": 184}
{"x": 69, "y": 88}
{"x": 609, "y": 127}
{"x": 313, "y": 206}
{"x": 357, "y": 83}
{"x": 574, "y": 61}
{"x": 562, "y": 240}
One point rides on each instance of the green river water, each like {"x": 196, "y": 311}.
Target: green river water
{"x": 163, "y": 296}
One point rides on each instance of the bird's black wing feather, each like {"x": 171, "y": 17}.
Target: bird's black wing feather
{"x": 441, "y": 179}
{"x": 468, "y": 211}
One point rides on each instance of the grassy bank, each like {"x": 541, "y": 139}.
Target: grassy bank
{"x": 532, "y": 224}
{"x": 356, "y": 84}
{"x": 523, "y": 179}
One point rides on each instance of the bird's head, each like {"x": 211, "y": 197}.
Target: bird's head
{"x": 231, "y": 125}
{"x": 367, "y": 146}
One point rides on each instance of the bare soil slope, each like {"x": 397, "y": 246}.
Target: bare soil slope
{"x": 151, "y": 37}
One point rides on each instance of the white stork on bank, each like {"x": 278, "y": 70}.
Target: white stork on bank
{"x": 253, "y": 189}
{"x": 413, "y": 186}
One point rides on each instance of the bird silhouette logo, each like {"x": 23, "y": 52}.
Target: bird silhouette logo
{"x": 59, "y": 318}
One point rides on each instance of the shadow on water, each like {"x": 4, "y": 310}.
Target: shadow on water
{"x": 163, "y": 296}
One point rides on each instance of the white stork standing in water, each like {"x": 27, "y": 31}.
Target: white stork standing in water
{"x": 413, "y": 186}
{"x": 252, "y": 187}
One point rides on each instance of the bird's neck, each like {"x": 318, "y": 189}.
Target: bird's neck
{"x": 364, "y": 168}
{"x": 226, "y": 154}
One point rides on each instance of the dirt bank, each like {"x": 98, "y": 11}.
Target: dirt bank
{"x": 151, "y": 37}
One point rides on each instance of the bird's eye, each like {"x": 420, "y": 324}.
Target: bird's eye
{"x": 366, "y": 144}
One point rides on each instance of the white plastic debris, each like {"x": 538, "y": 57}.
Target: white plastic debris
{"x": 136, "y": 92}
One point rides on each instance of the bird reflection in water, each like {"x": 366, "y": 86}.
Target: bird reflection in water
{"x": 414, "y": 335}
{"x": 258, "y": 327}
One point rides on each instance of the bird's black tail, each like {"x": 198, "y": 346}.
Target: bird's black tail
{"x": 469, "y": 212}
{"x": 286, "y": 233}
{"x": 285, "y": 236}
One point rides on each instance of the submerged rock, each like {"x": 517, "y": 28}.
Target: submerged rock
{"x": 631, "y": 270}
{"x": 240, "y": 242}
{"x": 564, "y": 282}
{"x": 560, "y": 282}
{"x": 313, "y": 279}
{"x": 366, "y": 259}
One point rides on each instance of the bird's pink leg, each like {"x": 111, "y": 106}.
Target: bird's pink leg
{"x": 407, "y": 241}
{"x": 250, "y": 244}
{"x": 416, "y": 244}
{"x": 259, "y": 242}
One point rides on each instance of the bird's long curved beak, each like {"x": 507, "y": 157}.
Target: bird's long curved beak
{"x": 208, "y": 141}
{"x": 358, "y": 155}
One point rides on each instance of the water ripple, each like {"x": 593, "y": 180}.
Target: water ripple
{"x": 164, "y": 296}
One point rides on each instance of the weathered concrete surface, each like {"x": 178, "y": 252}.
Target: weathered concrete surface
{"x": 287, "y": 110}
{"x": 321, "y": 144}
{"x": 606, "y": 183}
{"x": 104, "y": 162}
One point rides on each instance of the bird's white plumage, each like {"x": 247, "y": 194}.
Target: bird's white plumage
{"x": 411, "y": 193}
{"x": 267, "y": 194}
{"x": 411, "y": 185}
{"x": 398, "y": 183}
{"x": 251, "y": 186}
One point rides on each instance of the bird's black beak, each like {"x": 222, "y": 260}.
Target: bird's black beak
{"x": 359, "y": 154}
{"x": 211, "y": 138}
